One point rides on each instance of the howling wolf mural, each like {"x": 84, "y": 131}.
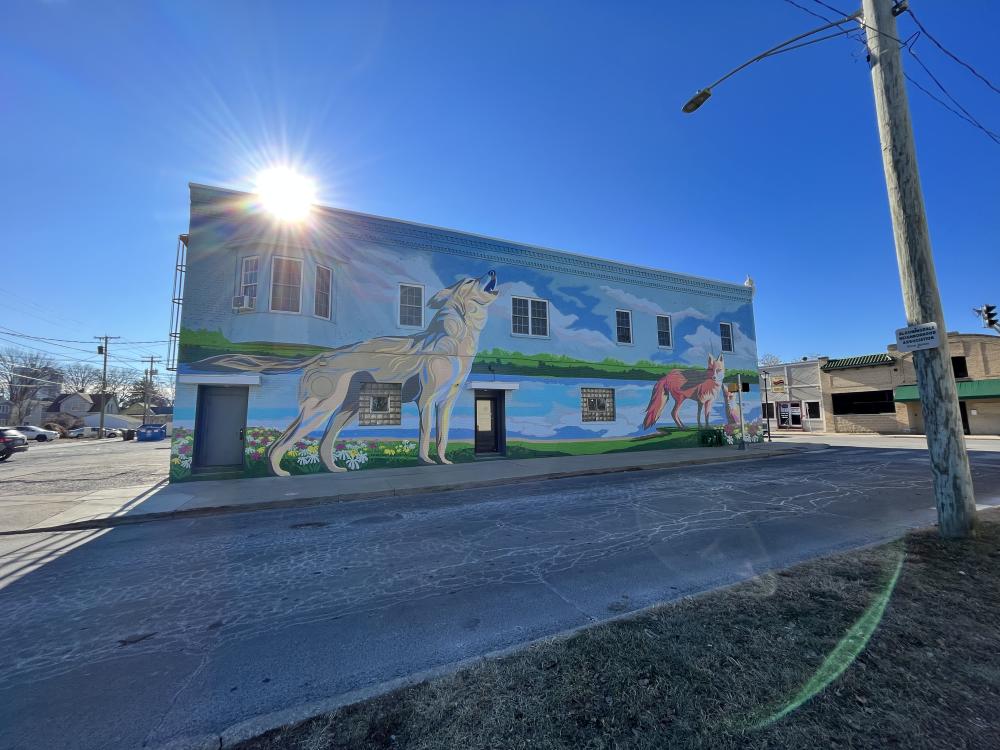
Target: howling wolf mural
{"x": 702, "y": 386}
{"x": 430, "y": 365}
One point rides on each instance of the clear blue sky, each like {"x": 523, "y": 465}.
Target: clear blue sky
{"x": 555, "y": 123}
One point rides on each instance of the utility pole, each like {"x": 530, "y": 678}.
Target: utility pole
{"x": 147, "y": 386}
{"x": 103, "y": 349}
{"x": 953, "y": 490}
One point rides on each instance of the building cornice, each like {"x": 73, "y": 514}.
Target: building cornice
{"x": 210, "y": 201}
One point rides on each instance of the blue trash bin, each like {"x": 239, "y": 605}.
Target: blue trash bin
{"x": 151, "y": 432}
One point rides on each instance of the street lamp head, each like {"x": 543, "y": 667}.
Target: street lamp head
{"x": 697, "y": 100}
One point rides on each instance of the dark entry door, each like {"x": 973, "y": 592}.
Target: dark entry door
{"x": 488, "y": 422}
{"x": 222, "y": 420}
{"x": 965, "y": 418}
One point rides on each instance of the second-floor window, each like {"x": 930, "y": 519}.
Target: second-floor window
{"x": 726, "y": 334}
{"x": 324, "y": 281}
{"x": 248, "y": 278}
{"x": 529, "y": 317}
{"x": 623, "y": 326}
{"x": 411, "y": 305}
{"x": 286, "y": 285}
{"x": 663, "y": 337}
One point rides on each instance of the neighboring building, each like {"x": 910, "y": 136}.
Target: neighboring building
{"x": 6, "y": 408}
{"x": 354, "y": 341}
{"x": 877, "y": 393}
{"x": 794, "y": 398}
{"x": 70, "y": 409}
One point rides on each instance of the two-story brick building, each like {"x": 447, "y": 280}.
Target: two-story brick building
{"x": 877, "y": 393}
{"x": 352, "y": 341}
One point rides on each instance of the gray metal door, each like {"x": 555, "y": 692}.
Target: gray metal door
{"x": 222, "y": 420}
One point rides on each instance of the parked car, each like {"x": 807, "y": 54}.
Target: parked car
{"x": 11, "y": 442}
{"x": 151, "y": 432}
{"x": 81, "y": 432}
{"x": 37, "y": 433}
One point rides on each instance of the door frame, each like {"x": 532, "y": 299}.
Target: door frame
{"x": 964, "y": 411}
{"x": 199, "y": 423}
{"x": 789, "y": 426}
{"x": 499, "y": 397}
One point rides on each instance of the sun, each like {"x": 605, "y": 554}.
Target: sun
{"x": 286, "y": 193}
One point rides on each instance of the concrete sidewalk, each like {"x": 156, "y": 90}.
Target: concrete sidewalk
{"x": 130, "y": 504}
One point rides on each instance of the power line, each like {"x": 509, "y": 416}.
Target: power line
{"x": 951, "y": 54}
{"x": 961, "y": 112}
{"x": 965, "y": 114}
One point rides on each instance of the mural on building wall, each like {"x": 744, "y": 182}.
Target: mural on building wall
{"x": 430, "y": 366}
{"x": 303, "y": 418}
{"x": 702, "y": 386}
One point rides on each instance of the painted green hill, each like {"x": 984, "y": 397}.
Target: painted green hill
{"x": 199, "y": 344}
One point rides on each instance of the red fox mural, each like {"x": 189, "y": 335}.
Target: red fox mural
{"x": 702, "y": 386}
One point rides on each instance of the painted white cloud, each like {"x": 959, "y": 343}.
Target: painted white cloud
{"x": 576, "y": 341}
{"x": 704, "y": 342}
{"x": 638, "y": 304}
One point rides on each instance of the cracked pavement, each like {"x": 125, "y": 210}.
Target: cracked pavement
{"x": 174, "y": 631}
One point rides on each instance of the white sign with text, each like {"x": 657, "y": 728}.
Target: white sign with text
{"x": 920, "y": 336}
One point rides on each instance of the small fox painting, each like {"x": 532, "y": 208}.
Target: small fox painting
{"x": 702, "y": 386}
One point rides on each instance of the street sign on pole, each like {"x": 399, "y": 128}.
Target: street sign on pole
{"x": 917, "y": 337}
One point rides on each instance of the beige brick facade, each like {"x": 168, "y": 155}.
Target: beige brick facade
{"x": 982, "y": 359}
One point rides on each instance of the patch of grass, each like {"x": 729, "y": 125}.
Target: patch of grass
{"x": 707, "y": 672}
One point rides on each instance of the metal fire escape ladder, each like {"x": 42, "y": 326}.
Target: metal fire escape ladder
{"x": 177, "y": 302}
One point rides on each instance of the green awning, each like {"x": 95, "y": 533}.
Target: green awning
{"x": 968, "y": 390}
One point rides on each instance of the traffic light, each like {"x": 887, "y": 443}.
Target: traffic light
{"x": 990, "y": 316}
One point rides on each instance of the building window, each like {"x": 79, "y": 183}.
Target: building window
{"x": 324, "y": 281}
{"x": 529, "y": 317}
{"x": 411, "y": 305}
{"x": 663, "y": 331}
{"x": 726, "y": 334}
{"x": 769, "y": 410}
{"x": 623, "y": 326}
{"x": 960, "y": 367}
{"x": 864, "y": 402}
{"x": 286, "y": 285}
{"x": 597, "y": 404}
{"x": 380, "y": 404}
{"x": 812, "y": 409}
{"x": 248, "y": 279}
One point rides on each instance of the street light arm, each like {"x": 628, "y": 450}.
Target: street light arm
{"x": 702, "y": 96}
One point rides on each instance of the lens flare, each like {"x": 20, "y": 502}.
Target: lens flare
{"x": 286, "y": 193}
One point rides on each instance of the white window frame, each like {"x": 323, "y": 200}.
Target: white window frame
{"x": 631, "y": 328}
{"x": 732, "y": 338}
{"x": 399, "y": 306}
{"x": 329, "y": 293}
{"x": 242, "y": 285}
{"x": 270, "y": 286}
{"x": 531, "y": 317}
{"x": 670, "y": 332}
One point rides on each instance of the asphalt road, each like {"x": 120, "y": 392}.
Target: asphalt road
{"x": 174, "y": 631}
{"x": 52, "y": 477}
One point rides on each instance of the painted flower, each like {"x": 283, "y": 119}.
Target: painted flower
{"x": 729, "y": 429}
{"x": 356, "y": 460}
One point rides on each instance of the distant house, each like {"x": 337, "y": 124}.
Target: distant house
{"x": 72, "y": 404}
{"x": 6, "y": 407}
{"x": 70, "y": 409}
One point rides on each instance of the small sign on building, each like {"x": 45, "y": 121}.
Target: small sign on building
{"x": 778, "y": 385}
{"x": 915, "y": 338}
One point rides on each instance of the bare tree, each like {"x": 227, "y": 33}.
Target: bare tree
{"x": 120, "y": 381}
{"x": 768, "y": 359}
{"x": 81, "y": 377}
{"x": 22, "y": 374}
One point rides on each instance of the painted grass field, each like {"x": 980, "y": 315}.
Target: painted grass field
{"x": 355, "y": 455}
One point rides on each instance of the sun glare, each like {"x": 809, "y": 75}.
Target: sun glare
{"x": 286, "y": 193}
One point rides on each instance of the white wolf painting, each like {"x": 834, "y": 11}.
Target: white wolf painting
{"x": 430, "y": 366}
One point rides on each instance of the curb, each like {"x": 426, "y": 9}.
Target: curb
{"x": 307, "y": 502}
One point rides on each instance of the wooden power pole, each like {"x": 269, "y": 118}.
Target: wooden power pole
{"x": 956, "y": 504}
{"x": 103, "y": 349}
